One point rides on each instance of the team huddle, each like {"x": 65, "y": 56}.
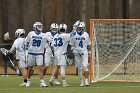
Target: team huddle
{"x": 43, "y": 49}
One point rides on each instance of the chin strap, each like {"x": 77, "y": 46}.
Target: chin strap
{"x": 37, "y": 32}
{"x": 80, "y": 33}
{"x": 53, "y": 33}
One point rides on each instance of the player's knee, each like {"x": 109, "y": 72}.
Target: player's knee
{"x": 79, "y": 68}
{"x": 85, "y": 68}
{"x": 62, "y": 74}
{"x": 29, "y": 68}
{"x": 46, "y": 65}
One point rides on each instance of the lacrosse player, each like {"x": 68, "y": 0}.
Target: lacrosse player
{"x": 21, "y": 55}
{"x": 49, "y": 53}
{"x": 80, "y": 48}
{"x": 35, "y": 41}
{"x": 60, "y": 43}
{"x": 7, "y": 63}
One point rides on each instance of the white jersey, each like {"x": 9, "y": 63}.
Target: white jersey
{"x": 49, "y": 38}
{"x": 80, "y": 42}
{"x": 19, "y": 45}
{"x": 36, "y": 43}
{"x": 60, "y": 43}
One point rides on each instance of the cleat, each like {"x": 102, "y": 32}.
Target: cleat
{"x": 43, "y": 84}
{"x": 86, "y": 82}
{"x": 4, "y": 75}
{"x": 23, "y": 84}
{"x": 82, "y": 83}
{"x": 28, "y": 83}
{"x": 51, "y": 82}
{"x": 56, "y": 82}
{"x": 66, "y": 85}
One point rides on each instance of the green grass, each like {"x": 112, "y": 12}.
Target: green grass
{"x": 10, "y": 85}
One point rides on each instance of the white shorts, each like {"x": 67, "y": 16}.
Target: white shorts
{"x": 35, "y": 60}
{"x": 49, "y": 59}
{"x": 21, "y": 62}
{"x": 81, "y": 61}
{"x": 60, "y": 60}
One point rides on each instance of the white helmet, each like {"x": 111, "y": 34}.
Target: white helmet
{"x": 76, "y": 23}
{"x": 81, "y": 27}
{"x": 38, "y": 27}
{"x": 63, "y": 27}
{"x": 54, "y": 27}
{"x": 19, "y": 32}
{"x": 81, "y": 24}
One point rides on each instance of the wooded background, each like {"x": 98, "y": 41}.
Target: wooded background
{"x": 23, "y": 13}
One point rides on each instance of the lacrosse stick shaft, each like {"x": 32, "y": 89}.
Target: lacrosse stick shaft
{"x": 10, "y": 60}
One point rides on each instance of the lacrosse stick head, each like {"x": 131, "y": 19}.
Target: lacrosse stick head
{"x": 4, "y": 51}
{"x": 69, "y": 61}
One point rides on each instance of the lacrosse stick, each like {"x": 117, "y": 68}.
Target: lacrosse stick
{"x": 5, "y": 52}
{"x": 68, "y": 61}
{"x": 77, "y": 52}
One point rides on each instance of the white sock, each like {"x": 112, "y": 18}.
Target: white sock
{"x": 80, "y": 73}
{"x": 55, "y": 80}
{"x": 81, "y": 80}
{"x": 28, "y": 79}
{"x": 42, "y": 80}
{"x": 86, "y": 79}
{"x": 52, "y": 78}
{"x": 62, "y": 71}
{"x": 64, "y": 81}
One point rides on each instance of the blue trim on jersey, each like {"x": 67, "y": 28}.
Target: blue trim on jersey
{"x": 36, "y": 53}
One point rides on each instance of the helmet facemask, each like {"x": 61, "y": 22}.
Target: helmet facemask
{"x": 38, "y": 27}
{"x": 54, "y": 28}
{"x": 80, "y": 28}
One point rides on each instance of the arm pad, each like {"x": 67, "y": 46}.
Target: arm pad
{"x": 12, "y": 50}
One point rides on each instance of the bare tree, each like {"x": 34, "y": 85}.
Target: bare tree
{"x": 4, "y": 16}
{"x": 20, "y": 24}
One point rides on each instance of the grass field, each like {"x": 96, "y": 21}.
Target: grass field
{"x": 10, "y": 85}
